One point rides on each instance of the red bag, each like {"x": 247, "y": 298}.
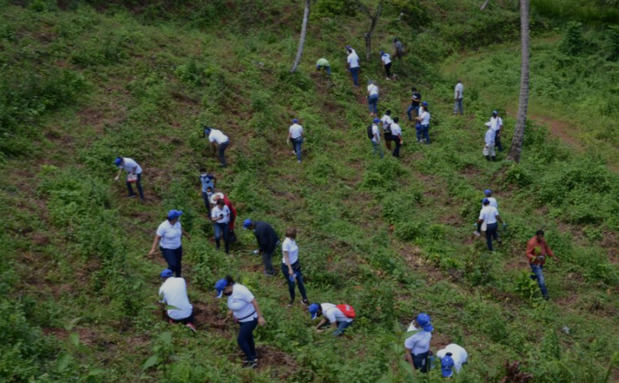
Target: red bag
{"x": 347, "y": 310}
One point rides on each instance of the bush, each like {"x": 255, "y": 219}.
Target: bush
{"x": 573, "y": 42}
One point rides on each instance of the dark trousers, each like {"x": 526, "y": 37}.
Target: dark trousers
{"x": 354, "y": 72}
{"x": 497, "y": 140}
{"x": 426, "y": 133}
{"x": 266, "y": 260}
{"x": 388, "y": 69}
{"x": 491, "y": 232}
{"x": 188, "y": 320}
{"x": 222, "y": 230}
{"x": 388, "y": 139}
{"x": 296, "y": 267}
{"x": 412, "y": 108}
{"x": 246, "y": 339}
{"x": 207, "y": 203}
{"x": 173, "y": 257}
{"x": 420, "y": 361}
{"x": 396, "y": 150}
{"x": 221, "y": 148}
{"x": 138, "y": 183}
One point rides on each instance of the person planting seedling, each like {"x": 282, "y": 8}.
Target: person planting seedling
{"x": 134, "y": 174}
{"x": 537, "y": 251}
{"x": 173, "y": 293}
{"x": 340, "y": 317}
{"x": 417, "y": 346}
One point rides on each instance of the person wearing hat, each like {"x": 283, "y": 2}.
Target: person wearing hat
{"x": 423, "y": 128}
{"x": 295, "y": 136}
{"x": 168, "y": 237}
{"x": 458, "y": 97}
{"x": 372, "y": 98}
{"x": 396, "y": 136}
{"x": 489, "y": 215}
{"x": 488, "y": 195}
{"x": 376, "y": 138}
{"x": 291, "y": 267}
{"x": 331, "y": 315}
{"x": 496, "y": 123}
{"x": 245, "y": 310}
{"x": 233, "y": 214}
{"x": 323, "y": 63}
{"x": 219, "y": 141}
{"x": 418, "y": 345}
{"x": 414, "y": 106}
{"x": 353, "y": 64}
{"x": 386, "y": 60}
{"x": 207, "y": 182}
{"x": 488, "y": 151}
{"x": 134, "y": 174}
{"x": 220, "y": 216}
{"x": 537, "y": 251}
{"x": 386, "y": 122}
{"x": 267, "y": 242}
{"x": 173, "y": 294}
{"x": 452, "y": 358}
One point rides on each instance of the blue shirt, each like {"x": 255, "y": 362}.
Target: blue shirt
{"x": 208, "y": 181}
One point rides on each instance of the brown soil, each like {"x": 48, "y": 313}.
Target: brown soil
{"x": 281, "y": 365}
{"x": 209, "y": 317}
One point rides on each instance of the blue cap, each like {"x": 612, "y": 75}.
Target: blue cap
{"x": 423, "y": 320}
{"x": 424, "y": 103}
{"x": 348, "y": 47}
{"x": 485, "y": 201}
{"x": 294, "y": 121}
{"x": 247, "y": 223}
{"x": 313, "y": 309}
{"x": 382, "y": 53}
{"x": 220, "y": 285}
{"x": 495, "y": 112}
{"x": 207, "y": 129}
{"x": 118, "y": 161}
{"x": 447, "y": 364}
{"x": 487, "y": 192}
{"x": 173, "y": 214}
{"x": 376, "y": 120}
{"x": 167, "y": 273}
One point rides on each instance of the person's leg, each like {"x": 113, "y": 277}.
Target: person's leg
{"x": 225, "y": 230}
{"x": 300, "y": 283}
{"x": 139, "y": 186}
{"x": 387, "y": 138}
{"x": 178, "y": 254}
{"x": 396, "y": 150}
{"x": 539, "y": 275}
{"x": 418, "y": 132}
{"x": 266, "y": 260}
{"x": 355, "y": 76}
{"x": 490, "y": 233}
{"x": 130, "y": 189}
{"x": 426, "y": 133}
{"x": 328, "y": 69}
{"x": 497, "y": 141}
{"x": 341, "y": 328}
{"x": 245, "y": 339}
{"x": 252, "y": 345}
{"x": 455, "y": 107}
{"x": 290, "y": 283}
{"x": 221, "y": 152}
{"x": 170, "y": 257}
{"x": 374, "y": 147}
{"x": 409, "y": 110}
{"x": 217, "y": 231}
{"x": 388, "y": 70}
{"x": 460, "y": 106}
{"x": 297, "y": 148}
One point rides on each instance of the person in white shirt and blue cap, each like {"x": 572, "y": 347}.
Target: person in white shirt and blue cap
{"x": 452, "y": 358}
{"x": 168, "y": 237}
{"x": 173, "y": 294}
{"x": 246, "y": 312}
{"x": 295, "y": 137}
{"x": 417, "y": 346}
{"x": 219, "y": 142}
{"x": 134, "y": 174}
{"x": 339, "y": 316}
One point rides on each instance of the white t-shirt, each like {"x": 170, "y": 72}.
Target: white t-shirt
{"x": 493, "y": 203}
{"x": 375, "y": 133}
{"x": 419, "y": 342}
{"x": 217, "y": 136}
{"x": 295, "y": 131}
{"x": 129, "y": 165}
{"x": 216, "y": 212}
{"x": 458, "y": 89}
{"x": 488, "y": 214}
{"x": 353, "y": 59}
{"x": 396, "y": 130}
{"x": 290, "y": 245}
{"x": 333, "y": 314}
{"x": 387, "y": 121}
{"x": 496, "y": 123}
{"x": 458, "y": 354}
{"x": 489, "y": 137}
{"x": 240, "y": 303}
{"x": 425, "y": 118}
{"x": 386, "y": 58}
{"x": 170, "y": 235}
{"x": 372, "y": 89}
{"x": 173, "y": 292}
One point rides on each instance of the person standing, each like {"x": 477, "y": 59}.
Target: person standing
{"x": 488, "y": 151}
{"x": 291, "y": 267}
{"x": 207, "y": 183}
{"x": 134, "y": 174}
{"x": 244, "y": 309}
{"x": 414, "y": 106}
{"x": 375, "y": 139}
{"x": 295, "y": 136}
{"x": 396, "y": 136}
{"x": 496, "y": 123}
{"x": 423, "y": 129}
{"x": 220, "y": 216}
{"x": 458, "y": 97}
{"x": 168, "y": 237}
{"x": 332, "y": 314}
{"x": 398, "y": 48}
{"x": 386, "y": 122}
{"x": 173, "y": 294}
{"x": 417, "y": 346}
{"x": 386, "y": 60}
{"x": 537, "y": 251}
{"x": 489, "y": 215}
{"x": 353, "y": 64}
{"x": 323, "y": 64}
{"x": 233, "y": 214}
{"x": 219, "y": 142}
{"x": 372, "y": 98}
{"x": 267, "y": 242}
{"x": 452, "y": 358}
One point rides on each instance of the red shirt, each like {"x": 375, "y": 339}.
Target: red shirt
{"x": 537, "y": 251}
{"x": 232, "y": 210}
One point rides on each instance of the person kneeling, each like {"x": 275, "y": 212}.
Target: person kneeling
{"x": 340, "y": 317}
{"x": 173, "y": 294}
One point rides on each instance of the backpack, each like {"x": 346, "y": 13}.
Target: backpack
{"x": 369, "y": 131}
{"x": 347, "y": 310}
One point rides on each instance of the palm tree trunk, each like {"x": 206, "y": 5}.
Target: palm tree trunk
{"x": 297, "y": 59}
{"x": 516, "y": 148}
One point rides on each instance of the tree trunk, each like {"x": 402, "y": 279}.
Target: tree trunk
{"x": 374, "y": 21}
{"x": 297, "y": 59}
{"x": 516, "y": 148}
{"x": 484, "y": 5}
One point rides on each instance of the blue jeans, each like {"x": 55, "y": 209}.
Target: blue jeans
{"x": 373, "y": 103}
{"x": 409, "y": 111}
{"x": 173, "y": 257}
{"x": 419, "y": 132}
{"x": 425, "y": 129}
{"x": 458, "y": 106}
{"x": 341, "y": 327}
{"x": 138, "y": 183}
{"x": 396, "y": 150}
{"x": 222, "y": 229}
{"x": 539, "y": 276}
{"x": 491, "y": 232}
{"x": 246, "y": 339}
{"x": 354, "y": 72}
{"x": 378, "y": 148}
{"x": 220, "y": 152}
{"x": 296, "y": 267}
{"x": 296, "y": 144}
{"x": 326, "y": 68}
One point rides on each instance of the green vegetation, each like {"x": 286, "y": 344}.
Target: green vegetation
{"x": 87, "y": 81}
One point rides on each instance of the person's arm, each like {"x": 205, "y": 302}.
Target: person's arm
{"x": 531, "y": 251}
{"x": 287, "y": 261}
{"x": 549, "y": 252}
{"x": 186, "y": 234}
{"x": 261, "y": 320}
{"x": 155, "y": 242}
{"x": 118, "y": 174}
{"x": 322, "y": 322}
{"x": 409, "y": 356}
{"x": 498, "y": 217}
